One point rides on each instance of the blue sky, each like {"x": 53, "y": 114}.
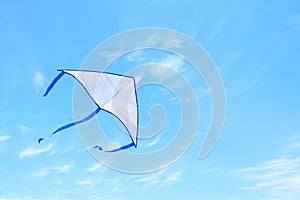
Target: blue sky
{"x": 255, "y": 46}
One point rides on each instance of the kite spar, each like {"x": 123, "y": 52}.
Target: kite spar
{"x": 113, "y": 93}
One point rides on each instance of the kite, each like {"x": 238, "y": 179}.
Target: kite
{"x": 113, "y": 93}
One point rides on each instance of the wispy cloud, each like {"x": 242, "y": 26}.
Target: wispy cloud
{"x": 95, "y": 167}
{"x": 84, "y": 182}
{"x": 150, "y": 180}
{"x": 173, "y": 68}
{"x": 138, "y": 79}
{"x": 38, "y": 80}
{"x": 153, "y": 142}
{"x": 29, "y": 152}
{"x": 158, "y": 179}
{"x": 277, "y": 179}
{"x": 135, "y": 56}
{"x": 58, "y": 182}
{"x": 57, "y": 169}
{"x": 293, "y": 23}
{"x": 62, "y": 169}
{"x": 23, "y": 128}
{"x": 215, "y": 31}
{"x": 293, "y": 143}
{"x": 4, "y": 138}
{"x": 236, "y": 55}
{"x": 108, "y": 55}
{"x": 293, "y": 19}
{"x": 173, "y": 178}
{"x": 173, "y": 62}
{"x": 42, "y": 173}
{"x": 166, "y": 41}
{"x": 210, "y": 170}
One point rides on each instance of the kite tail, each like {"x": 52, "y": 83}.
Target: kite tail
{"x": 73, "y": 124}
{"x": 54, "y": 82}
{"x": 115, "y": 150}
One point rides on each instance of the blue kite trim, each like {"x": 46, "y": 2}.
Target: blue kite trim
{"x": 54, "y": 82}
{"x": 73, "y": 123}
{"x": 115, "y": 150}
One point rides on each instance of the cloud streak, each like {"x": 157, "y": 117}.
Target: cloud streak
{"x": 174, "y": 62}
{"x": 215, "y": 31}
{"x": 4, "y": 138}
{"x": 95, "y": 167}
{"x": 293, "y": 22}
{"x": 159, "y": 179}
{"x": 29, "y": 152}
{"x": 84, "y": 182}
{"x": 276, "y": 179}
{"x": 62, "y": 169}
{"x": 24, "y": 129}
{"x": 38, "y": 80}
{"x": 57, "y": 170}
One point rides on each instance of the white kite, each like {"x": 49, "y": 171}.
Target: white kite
{"x": 113, "y": 93}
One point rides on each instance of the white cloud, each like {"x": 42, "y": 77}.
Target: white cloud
{"x": 293, "y": 22}
{"x": 84, "y": 182}
{"x": 62, "y": 169}
{"x": 236, "y": 55}
{"x": 293, "y": 19}
{"x": 215, "y": 31}
{"x": 58, "y": 169}
{"x": 174, "y": 42}
{"x": 173, "y": 178}
{"x": 293, "y": 143}
{"x": 173, "y": 68}
{"x": 29, "y": 152}
{"x": 173, "y": 62}
{"x": 38, "y": 80}
{"x": 58, "y": 182}
{"x": 42, "y": 173}
{"x": 276, "y": 178}
{"x": 210, "y": 170}
{"x": 4, "y": 138}
{"x": 153, "y": 40}
{"x": 138, "y": 79}
{"x": 153, "y": 142}
{"x": 23, "y": 128}
{"x": 135, "y": 56}
{"x": 166, "y": 41}
{"x": 280, "y": 164}
{"x": 109, "y": 55}
{"x": 95, "y": 167}
{"x": 158, "y": 179}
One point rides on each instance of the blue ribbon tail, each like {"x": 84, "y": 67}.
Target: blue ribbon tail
{"x": 54, "y": 82}
{"x": 73, "y": 123}
{"x": 40, "y": 139}
{"x": 115, "y": 150}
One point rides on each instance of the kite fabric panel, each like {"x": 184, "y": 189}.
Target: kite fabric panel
{"x": 113, "y": 93}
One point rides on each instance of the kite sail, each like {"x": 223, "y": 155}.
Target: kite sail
{"x": 113, "y": 93}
